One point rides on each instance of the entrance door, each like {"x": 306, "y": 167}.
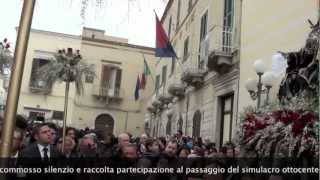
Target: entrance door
{"x": 196, "y": 124}
{"x": 226, "y": 119}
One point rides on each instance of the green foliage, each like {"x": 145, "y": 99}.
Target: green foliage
{"x": 68, "y": 67}
{"x": 6, "y": 57}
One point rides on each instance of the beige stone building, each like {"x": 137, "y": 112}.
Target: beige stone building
{"x": 108, "y": 100}
{"x": 268, "y": 27}
{"x": 198, "y": 93}
{"x": 217, "y": 43}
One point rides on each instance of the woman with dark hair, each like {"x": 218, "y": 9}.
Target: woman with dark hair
{"x": 105, "y": 147}
{"x": 72, "y": 132}
{"x": 183, "y": 152}
{"x": 150, "y": 157}
{"x": 162, "y": 143}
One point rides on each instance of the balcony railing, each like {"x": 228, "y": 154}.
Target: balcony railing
{"x": 176, "y": 89}
{"x": 193, "y": 76}
{"x": 222, "y": 39}
{"x": 222, "y": 49}
{"x": 104, "y": 92}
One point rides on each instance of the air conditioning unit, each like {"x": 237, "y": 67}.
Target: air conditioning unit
{"x": 204, "y": 52}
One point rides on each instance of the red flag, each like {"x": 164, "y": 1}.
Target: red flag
{"x": 163, "y": 45}
{"x": 143, "y": 81}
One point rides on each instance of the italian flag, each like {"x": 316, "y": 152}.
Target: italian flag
{"x": 145, "y": 74}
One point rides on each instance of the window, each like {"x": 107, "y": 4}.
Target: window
{"x": 164, "y": 75}
{"x": 118, "y": 82}
{"x": 168, "y": 127}
{"x": 35, "y": 81}
{"x": 189, "y": 6}
{"x": 157, "y": 85}
{"x": 228, "y": 13}
{"x": 203, "y": 26}
{"x": 178, "y": 14}
{"x": 111, "y": 80}
{"x": 186, "y": 49}
{"x": 196, "y": 124}
{"x": 227, "y": 25}
{"x": 89, "y": 79}
{"x": 169, "y": 29}
{"x": 226, "y": 119}
{"x": 36, "y": 116}
{"x": 180, "y": 123}
{"x": 58, "y": 115}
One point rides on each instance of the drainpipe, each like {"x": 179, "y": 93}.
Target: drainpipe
{"x": 126, "y": 122}
{"x": 187, "y": 110}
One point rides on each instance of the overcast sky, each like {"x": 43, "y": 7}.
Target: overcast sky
{"x": 132, "y": 19}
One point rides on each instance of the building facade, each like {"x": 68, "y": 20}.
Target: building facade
{"x": 108, "y": 102}
{"x": 217, "y": 42}
{"x": 268, "y": 27}
{"x": 198, "y": 92}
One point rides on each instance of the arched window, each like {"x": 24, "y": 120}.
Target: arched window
{"x": 196, "y": 124}
{"x": 180, "y": 123}
{"x": 168, "y": 127}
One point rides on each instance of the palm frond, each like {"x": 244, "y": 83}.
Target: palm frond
{"x": 50, "y": 72}
{"x": 67, "y": 67}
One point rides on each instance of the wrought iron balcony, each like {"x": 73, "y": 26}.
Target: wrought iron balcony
{"x": 165, "y": 98}
{"x": 193, "y": 76}
{"x": 155, "y": 102}
{"x": 151, "y": 109}
{"x": 111, "y": 94}
{"x": 222, "y": 50}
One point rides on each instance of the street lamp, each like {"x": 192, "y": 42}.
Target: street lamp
{"x": 254, "y": 87}
{"x": 268, "y": 80}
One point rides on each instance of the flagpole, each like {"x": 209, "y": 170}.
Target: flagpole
{"x": 16, "y": 77}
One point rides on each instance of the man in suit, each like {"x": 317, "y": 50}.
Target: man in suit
{"x": 41, "y": 153}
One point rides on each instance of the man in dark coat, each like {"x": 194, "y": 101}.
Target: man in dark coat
{"x": 168, "y": 159}
{"x": 40, "y": 154}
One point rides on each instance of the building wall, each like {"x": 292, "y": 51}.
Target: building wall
{"x": 127, "y": 113}
{"x": 206, "y": 98}
{"x": 43, "y": 43}
{"x": 268, "y": 27}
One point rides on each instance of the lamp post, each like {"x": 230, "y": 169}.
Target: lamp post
{"x": 259, "y": 66}
{"x": 268, "y": 80}
{"x": 254, "y": 86}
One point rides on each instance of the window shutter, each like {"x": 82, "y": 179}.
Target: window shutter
{"x": 118, "y": 82}
{"x": 35, "y": 67}
{"x": 105, "y": 76}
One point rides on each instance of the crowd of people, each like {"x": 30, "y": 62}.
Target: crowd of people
{"x": 44, "y": 143}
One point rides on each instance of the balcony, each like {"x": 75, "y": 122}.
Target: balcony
{"x": 165, "y": 98}
{"x": 219, "y": 55}
{"x": 155, "y": 102}
{"x": 220, "y": 62}
{"x": 193, "y": 77}
{"x": 222, "y": 50}
{"x": 176, "y": 89}
{"x": 151, "y": 109}
{"x": 116, "y": 94}
{"x": 39, "y": 87}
